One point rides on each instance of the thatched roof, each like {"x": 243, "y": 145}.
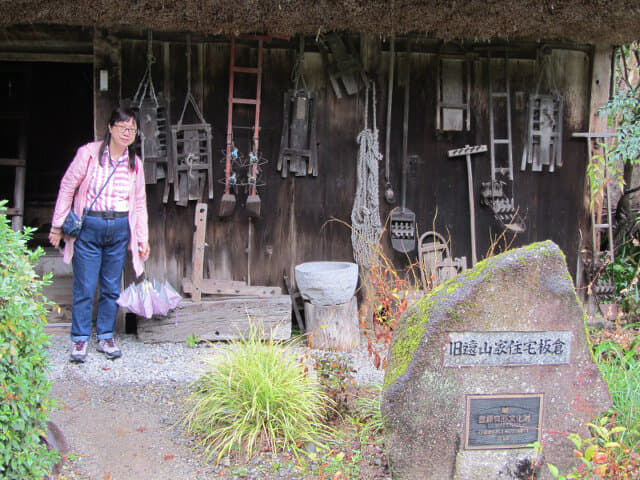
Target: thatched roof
{"x": 586, "y": 21}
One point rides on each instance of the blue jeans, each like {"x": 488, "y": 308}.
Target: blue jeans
{"x": 99, "y": 253}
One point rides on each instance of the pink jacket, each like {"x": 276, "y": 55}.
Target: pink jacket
{"x": 73, "y": 189}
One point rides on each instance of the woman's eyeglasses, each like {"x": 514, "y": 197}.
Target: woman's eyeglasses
{"x": 129, "y": 130}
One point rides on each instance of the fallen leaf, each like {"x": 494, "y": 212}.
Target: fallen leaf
{"x": 169, "y": 457}
{"x": 376, "y": 360}
{"x": 107, "y": 476}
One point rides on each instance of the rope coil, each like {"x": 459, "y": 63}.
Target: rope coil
{"x": 365, "y": 215}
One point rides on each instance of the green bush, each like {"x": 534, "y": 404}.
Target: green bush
{"x": 24, "y": 388}
{"x": 621, "y": 370}
{"x": 256, "y": 393}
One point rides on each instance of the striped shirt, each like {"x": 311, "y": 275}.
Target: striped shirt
{"x": 115, "y": 195}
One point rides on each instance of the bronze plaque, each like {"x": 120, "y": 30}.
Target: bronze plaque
{"x": 502, "y": 421}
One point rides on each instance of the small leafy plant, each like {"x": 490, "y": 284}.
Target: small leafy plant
{"x": 334, "y": 376}
{"x": 602, "y": 456}
{"x": 193, "y": 340}
{"x": 24, "y": 360}
{"x": 256, "y": 394}
{"x": 621, "y": 370}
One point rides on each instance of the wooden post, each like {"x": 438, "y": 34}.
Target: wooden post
{"x": 333, "y": 327}
{"x": 600, "y": 90}
{"x": 601, "y": 72}
{"x": 107, "y": 51}
{"x": 197, "y": 258}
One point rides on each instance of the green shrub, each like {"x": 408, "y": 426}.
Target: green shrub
{"x": 24, "y": 388}
{"x": 256, "y": 393}
{"x": 621, "y": 370}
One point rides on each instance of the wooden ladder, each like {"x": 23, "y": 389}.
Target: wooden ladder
{"x": 233, "y": 100}
{"x": 600, "y": 209}
{"x": 504, "y": 169}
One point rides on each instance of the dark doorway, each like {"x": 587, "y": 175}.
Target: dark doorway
{"x": 46, "y": 113}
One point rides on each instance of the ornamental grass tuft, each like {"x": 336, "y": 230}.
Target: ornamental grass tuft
{"x": 621, "y": 370}
{"x": 256, "y": 394}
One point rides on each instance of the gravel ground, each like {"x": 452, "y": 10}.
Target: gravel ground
{"x": 121, "y": 418}
{"x": 163, "y": 363}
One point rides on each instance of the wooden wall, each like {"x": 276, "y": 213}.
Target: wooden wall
{"x": 296, "y": 224}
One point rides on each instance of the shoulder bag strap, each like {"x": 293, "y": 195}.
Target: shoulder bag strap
{"x": 105, "y": 184}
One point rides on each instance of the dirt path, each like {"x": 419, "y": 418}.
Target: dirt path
{"x": 125, "y": 432}
{"x": 131, "y": 431}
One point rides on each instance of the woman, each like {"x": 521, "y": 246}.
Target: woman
{"x": 108, "y": 177}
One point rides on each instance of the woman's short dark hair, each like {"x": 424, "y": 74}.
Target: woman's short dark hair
{"x": 120, "y": 114}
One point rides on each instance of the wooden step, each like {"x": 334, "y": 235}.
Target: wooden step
{"x": 220, "y": 319}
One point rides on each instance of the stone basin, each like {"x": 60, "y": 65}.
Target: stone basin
{"x": 327, "y": 283}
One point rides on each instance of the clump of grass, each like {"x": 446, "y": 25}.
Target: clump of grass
{"x": 368, "y": 411}
{"x": 256, "y": 394}
{"x": 621, "y": 370}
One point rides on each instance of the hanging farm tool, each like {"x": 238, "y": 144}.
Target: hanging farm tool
{"x": 343, "y": 67}
{"x": 298, "y": 145}
{"x": 365, "y": 214}
{"x": 389, "y": 194}
{"x": 402, "y": 221}
{"x": 494, "y": 193}
{"x": 543, "y": 142}
{"x": 192, "y": 162}
{"x": 467, "y": 151}
{"x": 153, "y": 112}
{"x": 228, "y": 201}
{"x": 436, "y": 264}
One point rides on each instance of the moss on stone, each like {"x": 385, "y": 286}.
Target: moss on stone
{"x": 413, "y": 326}
{"x": 408, "y": 338}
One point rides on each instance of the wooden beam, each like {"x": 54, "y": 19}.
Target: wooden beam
{"x": 11, "y": 211}
{"x": 600, "y": 87}
{"x": 12, "y": 162}
{"x": 46, "y": 57}
{"x": 52, "y": 45}
{"x": 224, "y": 287}
{"x": 225, "y": 319}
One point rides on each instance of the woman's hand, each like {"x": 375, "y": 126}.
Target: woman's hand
{"x": 144, "y": 250}
{"x": 55, "y": 235}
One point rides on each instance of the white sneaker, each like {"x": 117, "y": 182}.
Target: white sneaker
{"x": 109, "y": 348}
{"x": 78, "y": 352}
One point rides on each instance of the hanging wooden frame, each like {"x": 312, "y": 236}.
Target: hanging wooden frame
{"x": 453, "y": 84}
{"x": 192, "y": 165}
{"x": 298, "y": 143}
{"x": 153, "y": 125}
{"x": 543, "y": 146}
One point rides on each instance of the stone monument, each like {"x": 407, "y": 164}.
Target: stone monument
{"x": 486, "y": 364}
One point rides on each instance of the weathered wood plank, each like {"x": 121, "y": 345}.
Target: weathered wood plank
{"x": 197, "y": 262}
{"x": 45, "y": 57}
{"x": 226, "y": 319}
{"x": 224, "y": 287}
{"x": 13, "y": 162}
